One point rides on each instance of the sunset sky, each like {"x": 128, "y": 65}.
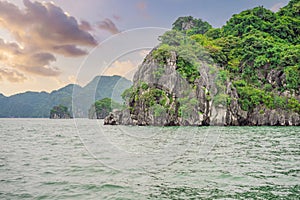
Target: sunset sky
{"x": 45, "y": 45}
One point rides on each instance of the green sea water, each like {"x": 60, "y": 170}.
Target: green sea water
{"x": 82, "y": 159}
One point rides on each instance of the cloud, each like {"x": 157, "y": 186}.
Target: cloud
{"x": 44, "y": 25}
{"x": 11, "y": 75}
{"x": 122, "y": 68}
{"x": 72, "y": 79}
{"x": 9, "y": 47}
{"x": 85, "y": 26}
{"x": 141, "y": 5}
{"x": 57, "y": 25}
{"x": 276, "y": 7}
{"x": 14, "y": 56}
{"x": 128, "y": 65}
{"x": 40, "y": 31}
{"x": 41, "y": 59}
{"x": 43, "y": 71}
{"x": 144, "y": 53}
{"x": 63, "y": 81}
{"x": 109, "y": 26}
{"x": 69, "y": 50}
{"x": 142, "y": 8}
{"x": 117, "y": 17}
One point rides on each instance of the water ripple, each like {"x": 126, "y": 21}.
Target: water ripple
{"x": 45, "y": 159}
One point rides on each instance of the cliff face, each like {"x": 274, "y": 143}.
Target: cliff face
{"x": 245, "y": 73}
{"x": 160, "y": 96}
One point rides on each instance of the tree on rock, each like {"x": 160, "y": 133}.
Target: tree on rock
{"x": 60, "y": 112}
{"x": 101, "y": 108}
{"x": 191, "y": 25}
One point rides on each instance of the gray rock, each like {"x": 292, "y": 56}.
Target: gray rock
{"x": 114, "y": 118}
{"x": 192, "y": 104}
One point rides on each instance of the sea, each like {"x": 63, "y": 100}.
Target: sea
{"x": 83, "y": 159}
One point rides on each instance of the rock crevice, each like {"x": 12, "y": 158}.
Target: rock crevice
{"x": 162, "y": 97}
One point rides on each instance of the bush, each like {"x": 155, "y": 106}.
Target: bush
{"x": 293, "y": 78}
{"x": 294, "y": 105}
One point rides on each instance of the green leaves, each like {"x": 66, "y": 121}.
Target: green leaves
{"x": 106, "y": 104}
{"x": 187, "y": 70}
{"x": 101, "y": 108}
{"x": 258, "y": 18}
{"x": 60, "y": 111}
{"x": 257, "y": 49}
{"x": 191, "y": 26}
{"x": 172, "y": 38}
{"x": 287, "y": 28}
{"x": 293, "y": 77}
{"x": 292, "y": 9}
{"x": 162, "y": 53}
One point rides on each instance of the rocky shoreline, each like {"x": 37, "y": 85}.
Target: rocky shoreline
{"x": 200, "y": 107}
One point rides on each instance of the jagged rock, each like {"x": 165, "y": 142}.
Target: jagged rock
{"x": 113, "y": 118}
{"x": 60, "y": 116}
{"x": 276, "y": 78}
{"x": 186, "y": 104}
{"x": 234, "y": 114}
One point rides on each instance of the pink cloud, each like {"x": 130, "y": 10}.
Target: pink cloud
{"x": 85, "y": 26}
{"x": 40, "y": 30}
{"x": 141, "y": 5}
{"x": 142, "y": 8}
{"x": 117, "y": 17}
{"x": 109, "y": 26}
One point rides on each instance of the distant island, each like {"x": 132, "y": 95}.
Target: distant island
{"x": 101, "y": 108}
{"x": 60, "y": 112}
{"x": 245, "y": 73}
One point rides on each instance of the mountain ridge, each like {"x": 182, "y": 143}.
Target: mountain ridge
{"x": 55, "y": 90}
{"x": 31, "y": 104}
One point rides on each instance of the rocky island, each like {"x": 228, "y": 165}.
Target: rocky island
{"x": 60, "y": 112}
{"x": 101, "y": 108}
{"x": 245, "y": 73}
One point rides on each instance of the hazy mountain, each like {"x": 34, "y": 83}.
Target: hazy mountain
{"x": 39, "y": 104}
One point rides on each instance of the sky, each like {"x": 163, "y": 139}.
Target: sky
{"x": 45, "y": 45}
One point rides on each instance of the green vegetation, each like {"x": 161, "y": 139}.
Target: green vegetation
{"x": 60, "y": 112}
{"x": 187, "y": 59}
{"x": 186, "y": 106}
{"x": 221, "y": 99}
{"x": 191, "y": 26}
{"x": 257, "y": 50}
{"x": 292, "y": 78}
{"x": 38, "y": 104}
{"x": 148, "y": 97}
{"x": 101, "y": 108}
